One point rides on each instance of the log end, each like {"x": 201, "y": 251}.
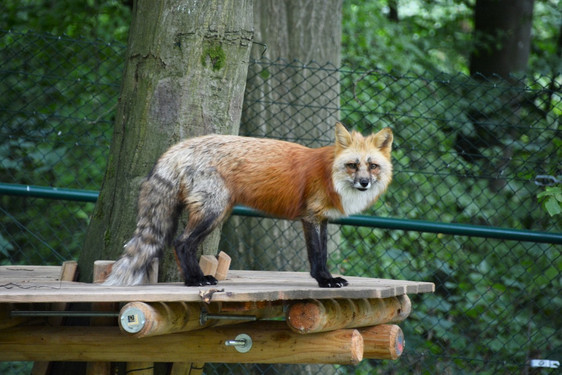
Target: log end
{"x": 385, "y": 341}
{"x": 304, "y": 317}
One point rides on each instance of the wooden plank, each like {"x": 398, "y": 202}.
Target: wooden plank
{"x": 272, "y": 342}
{"x": 240, "y": 286}
{"x": 24, "y": 274}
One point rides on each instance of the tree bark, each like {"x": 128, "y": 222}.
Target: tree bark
{"x": 297, "y": 103}
{"x": 185, "y": 76}
{"x": 502, "y": 34}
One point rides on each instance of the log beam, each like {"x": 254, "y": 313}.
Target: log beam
{"x": 272, "y": 342}
{"x": 140, "y": 319}
{"x": 311, "y": 316}
{"x": 385, "y": 341}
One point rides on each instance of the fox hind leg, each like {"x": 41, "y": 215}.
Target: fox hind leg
{"x": 186, "y": 246}
{"x": 207, "y": 204}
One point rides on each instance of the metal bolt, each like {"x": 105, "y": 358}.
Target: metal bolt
{"x": 242, "y": 343}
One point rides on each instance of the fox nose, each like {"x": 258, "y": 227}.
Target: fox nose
{"x": 364, "y": 182}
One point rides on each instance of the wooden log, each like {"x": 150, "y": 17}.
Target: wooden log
{"x": 159, "y": 318}
{"x": 385, "y": 341}
{"x": 6, "y": 320}
{"x": 68, "y": 273}
{"x": 164, "y": 318}
{"x": 187, "y": 368}
{"x": 140, "y": 368}
{"x": 208, "y": 264}
{"x": 224, "y": 261}
{"x": 325, "y": 315}
{"x": 272, "y": 342}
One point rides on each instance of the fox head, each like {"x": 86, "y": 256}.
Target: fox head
{"x": 362, "y": 167}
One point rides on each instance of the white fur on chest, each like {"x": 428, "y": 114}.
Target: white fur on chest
{"x": 354, "y": 201}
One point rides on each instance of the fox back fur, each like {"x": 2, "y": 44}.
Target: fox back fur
{"x": 208, "y": 175}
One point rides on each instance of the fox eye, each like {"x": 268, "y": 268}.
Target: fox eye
{"x": 352, "y": 166}
{"x": 373, "y": 166}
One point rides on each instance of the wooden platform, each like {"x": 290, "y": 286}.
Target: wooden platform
{"x": 19, "y": 284}
{"x": 298, "y": 322}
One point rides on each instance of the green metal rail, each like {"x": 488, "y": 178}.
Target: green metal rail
{"x": 355, "y": 220}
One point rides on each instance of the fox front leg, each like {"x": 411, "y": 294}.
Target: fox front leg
{"x": 316, "y": 236}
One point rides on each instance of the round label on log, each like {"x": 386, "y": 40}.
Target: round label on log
{"x": 132, "y": 320}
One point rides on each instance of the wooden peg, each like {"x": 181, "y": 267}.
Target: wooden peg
{"x": 224, "y": 261}
{"x": 208, "y": 264}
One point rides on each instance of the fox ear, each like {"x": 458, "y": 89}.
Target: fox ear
{"x": 343, "y": 138}
{"x": 383, "y": 140}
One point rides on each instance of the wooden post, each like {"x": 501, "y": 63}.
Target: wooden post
{"x": 144, "y": 367}
{"x": 140, "y": 368}
{"x": 272, "y": 342}
{"x": 325, "y": 315}
{"x": 68, "y": 273}
{"x": 385, "y": 341}
{"x": 102, "y": 269}
{"x": 187, "y": 368}
{"x": 6, "y": 320}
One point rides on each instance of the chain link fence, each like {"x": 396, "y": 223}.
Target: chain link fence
{"x": 468, "y": 150}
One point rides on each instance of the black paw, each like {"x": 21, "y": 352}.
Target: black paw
{"x": 333, "y": 282}
{"x": 206, "y": 280}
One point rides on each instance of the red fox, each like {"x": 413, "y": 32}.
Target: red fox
{"x": 208, "y": 175}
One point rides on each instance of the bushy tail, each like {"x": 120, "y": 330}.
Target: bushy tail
{"x": 158, "y": 212}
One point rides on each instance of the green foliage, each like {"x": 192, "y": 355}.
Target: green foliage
{"x": 466, "y": 151}
{"x": 552, "y": 199}
{"x": 56, "y": 129}
{"x": 435, "y": 36}
{"x": 91, "y": 19}
{"x": 429, "y": 36}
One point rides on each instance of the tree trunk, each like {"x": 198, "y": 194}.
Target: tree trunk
{"x": 294, "y": 103}
{"x": 185, "y": 76}
{"x": 502, "y": 42}
{"x": 297, "y": 103}
{"x": 502, "y": 34}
